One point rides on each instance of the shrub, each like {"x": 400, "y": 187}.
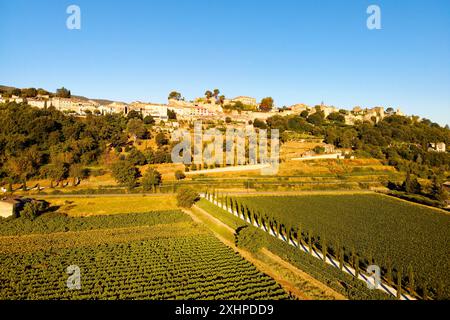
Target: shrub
{"x": 161, "y": 139}
{"x": 125, "y": 173}
{"x": 187, "y": 197}
{"x": 250, "y": 238}
{"x": 136, "y": 157}
{"x": 33, "y": 209}
{"x": 149, "y": 120}
{"x": 179, "y": 175}
{"x": 151, "y": 179}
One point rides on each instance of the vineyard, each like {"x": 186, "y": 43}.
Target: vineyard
{"x": 408, "y": 242}
{"x": 339, "y": 281}
{"x": 54, "y": 222}
{"x": 137, "y": 257}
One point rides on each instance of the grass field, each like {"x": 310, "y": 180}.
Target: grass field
{"x": 154, "y": 255}
{"x": 389, "y": 230}
{"x": 91, "y": 206}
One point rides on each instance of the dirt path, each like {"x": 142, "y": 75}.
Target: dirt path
{"x": 214, "y": 219}
{"x": 285, "y": 271}
{"x": 299, "y": 193}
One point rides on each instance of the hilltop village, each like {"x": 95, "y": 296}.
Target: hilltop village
{"x": 241, "y": 109}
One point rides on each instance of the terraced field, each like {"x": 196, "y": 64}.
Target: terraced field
{"x": 155, "y": 255}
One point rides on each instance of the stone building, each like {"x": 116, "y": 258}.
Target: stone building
{"x": 9, "y": 207}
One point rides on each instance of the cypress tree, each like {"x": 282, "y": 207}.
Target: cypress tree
{"x": 238, "y": 208}
{"x": 356, "y": 266}
{"x": 337, "y": 252}
{"x": 425, "y": 291}
{"x": 259, "y": 217}
{"x": 324, "y": 249}
{"x": 288, "y": 234}
{"x": 389, "y": 271}
{"x": 299, "y": 237}
{"x": 275, "y": 227}
{"x": 299, "y": 234}
{"x": 411, "y": 283}
{"x": 341, "y": 259}
{"x": 399, "y": 283}
{"x": 440, "y": 291}
{"x": 310, "y": 242}
{"x": 352, "y": 263}
{"x": 370, "y": 257}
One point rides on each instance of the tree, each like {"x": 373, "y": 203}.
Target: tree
{"x": 151, "y": 179}
{"x": 56, "y": 171}
{"x": 411, "y": 281}
{"x": 304, "y": 114}
{"x": 179, "y": 175}
{"x": 33, "y": 209}
{"x": 438, "y": 191}
{"x": 250, "y": 239}
{"x": 319, "y": 150}
{"x": 411, "y": 185}
{"x": 216, "y": 93}
{"x": 76, "y": 172}
{"x": 136, "y": 157}
{"x": 324, "y": 249}
{"x": 336, "y": 117}
{"x": 399, "y": 283}
{"x": 341, "y": 259}
{"x": 20, "y": 168}
{"x": 187, "y": 197}
{"x": 310, "y": 245}
{"x": 136, "y": 128}
{"x": 29, "y": 93}
{"x": 389, "y": 276}
{"x": 133, "y": 114}
{"x": 63, "y": 93}
{"x": 257, "y": 123}
{"x": 316, "y": 118}
{"x": 161, "y": 139}
{"x": 208, "y": 94}
{"x": 171, "y": 114}
{"x": 174, "y": 95}
{"x": 43, "y": 92}
{"x": 266, "y": 104}
{"x": 125, "y": 173}
{"x": 16, "y": 92}
{"x": 149, "y": 120}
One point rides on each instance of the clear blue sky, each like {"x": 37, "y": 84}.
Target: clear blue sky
{"x": 295, "y": 51}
